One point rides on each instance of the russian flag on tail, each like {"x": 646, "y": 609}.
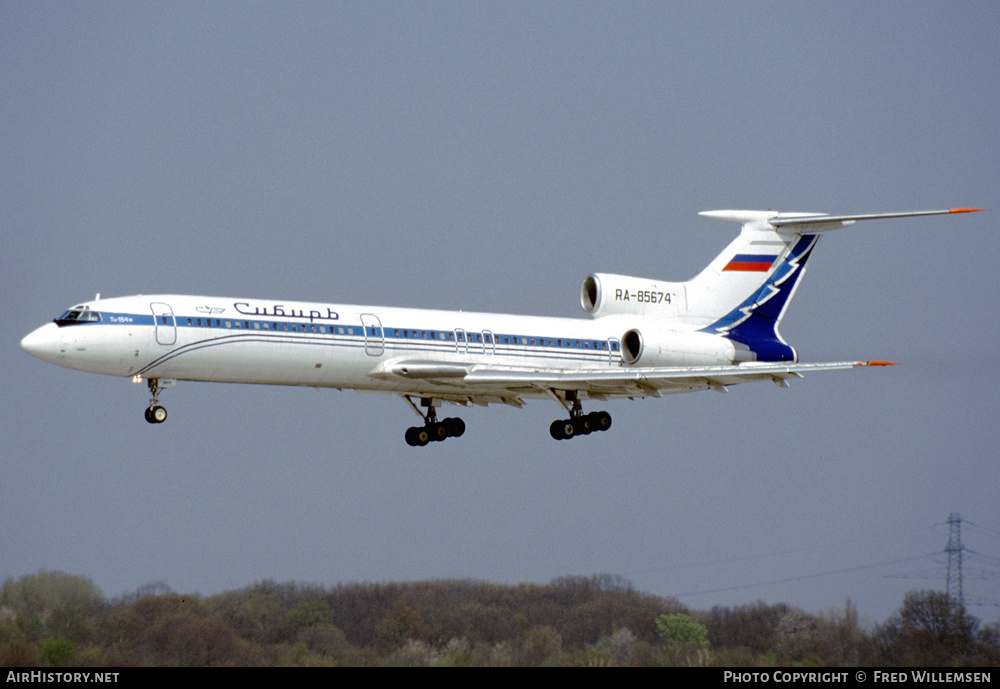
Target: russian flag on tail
{"x": 750, "y": 263}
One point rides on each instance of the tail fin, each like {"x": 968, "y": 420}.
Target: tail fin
{"x": 744, "y": 292}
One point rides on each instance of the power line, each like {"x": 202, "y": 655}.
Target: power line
{"x": 954, "y": 549}
{"x": 801, "y": 577}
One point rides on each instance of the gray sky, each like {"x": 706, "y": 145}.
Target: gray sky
{"x": 488, "y": 156}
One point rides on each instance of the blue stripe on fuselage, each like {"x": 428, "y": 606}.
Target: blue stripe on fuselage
{"x": 411, "y": 339}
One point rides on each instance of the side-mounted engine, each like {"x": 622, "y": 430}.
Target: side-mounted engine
{"x": 648, "y": 345}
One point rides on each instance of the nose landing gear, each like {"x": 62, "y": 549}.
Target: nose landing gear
{"x": 154, "y": 412}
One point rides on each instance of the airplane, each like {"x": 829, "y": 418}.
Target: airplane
{"x": 644, "y": 338}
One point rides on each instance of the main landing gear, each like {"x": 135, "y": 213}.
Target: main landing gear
{"x": 155, "y": 413}
{"x": 579, "y": 423}
{"x": 432, "y": 430}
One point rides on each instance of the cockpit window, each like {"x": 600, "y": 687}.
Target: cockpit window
{"x": 77, "y": 315}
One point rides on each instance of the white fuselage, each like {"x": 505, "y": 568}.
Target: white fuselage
{"x": 323, "y": 345}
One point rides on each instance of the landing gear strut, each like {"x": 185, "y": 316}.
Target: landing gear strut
{"x": 155, "y": 413}
{"x": 432, "y": 430}
{"x": 579, "y": 423}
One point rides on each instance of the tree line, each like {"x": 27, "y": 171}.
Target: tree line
{"x": 56, "y": 619}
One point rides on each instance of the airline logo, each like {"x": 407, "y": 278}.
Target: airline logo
{"x": 750, "y": 263}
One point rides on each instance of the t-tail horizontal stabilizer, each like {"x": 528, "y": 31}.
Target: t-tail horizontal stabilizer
{"x": 815, "y": 222}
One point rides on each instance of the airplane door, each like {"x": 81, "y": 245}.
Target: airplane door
{"x": 164, "y": 323}
{"x": 614, "y": 350}
{"x": 374, "y": 337}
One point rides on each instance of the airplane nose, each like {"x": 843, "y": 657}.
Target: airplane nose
{"x": 44, "y": 343}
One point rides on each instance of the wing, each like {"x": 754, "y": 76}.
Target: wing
{"x": 483, "y": 384}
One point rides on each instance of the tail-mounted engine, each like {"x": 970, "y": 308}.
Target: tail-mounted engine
{"x": 604, "y": 294}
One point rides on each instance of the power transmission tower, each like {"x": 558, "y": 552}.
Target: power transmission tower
{"x": 954, "y": 550}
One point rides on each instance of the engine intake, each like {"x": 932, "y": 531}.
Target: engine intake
{"x": 631, "y": 346}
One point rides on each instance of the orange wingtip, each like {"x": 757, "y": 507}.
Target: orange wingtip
{"x": 877, "y": 363}
{"x": 966, "y": 210}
